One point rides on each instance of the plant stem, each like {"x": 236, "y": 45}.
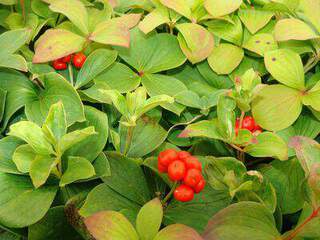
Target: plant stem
{"x": 128, "y": 139}
{"x": 236, "y": 147}
{"x": 165, "y": 200}
{"x": 241, "y": 119}
{"x": 296, "y": 231}
{"x": 70, "y": 73}
{"x": 186, "y": 123}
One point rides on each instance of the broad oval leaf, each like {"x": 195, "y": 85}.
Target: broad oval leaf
{"x": 276, "y": 107}
{"x": 206, "y": 128}
{"x": 284, "y": 31}
{"x": 32, "y": 134}
{"x": 254, "y": 19}
{"x": 8, "y": 145}
{"x": 219, "y": 8}
{"x": 180, "y": 6}
{"x": 40, "y": 169}
{"x": 78, "y": 168}
{"x": 56, "y": 88}
{"x": 261, "y": 43}
{"x": 233, "y": 217}
{"x": 177, "y": 232}
{"x": 311, "y": 9}
{"x": 286, "y": 67}
{"x": 96, "y": 63}
{"x": 149, "y": 219}
{"x": 152, "y": 53}
{"x": 57, "y": 43}
{"x": 21, "y": 204}
{"x": 13, "y": 40}
{"x": 225, "y": 58}
{"x": 75, "y": 11}
{"x": 195, "y": 41}
{"x": 23, "y": 157}
{"x": 268, "y": 144}
{"x": 109, "y": 225}
{"x": 154, "y": 19}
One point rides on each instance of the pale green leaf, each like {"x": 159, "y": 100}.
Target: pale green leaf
{"x": 219, "y": 8}
{"x": 311, "y": 8}
{"x": 225, "y": 58}
{"x": 177, "y": 232}
{"x": 180, "y": 6}
{"x": 206, "y": 128}
{"x": 276, "y": 107}
{"x": 154, "y": 19}
{"x": 286, "y": 67}
{"x": 78, "y": 168}
{"x": 254, "y": 19}
{"x": 23, "y": 157}
{"x": 261, "y": 43}
{"x": 40, "y": 169}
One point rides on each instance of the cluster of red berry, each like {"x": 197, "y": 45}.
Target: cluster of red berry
{"x": 184, "y": 168}
{"x": 248, "y": 123}
{"x": 78, "y": 60}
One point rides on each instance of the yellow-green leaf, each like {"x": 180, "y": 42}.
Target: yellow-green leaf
{"x": 219, "y": 8}
{"x": 225, "y": 58}
{"x": 261, "y": 43}
{"x": 254, "y": 19}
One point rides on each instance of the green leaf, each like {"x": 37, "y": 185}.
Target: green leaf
{"x": 54, "y": 219}
{"x": 33, "y": 135}
{"x": 268, "y": 144}
{"x": 261, "y": 43}
{"x": 179, "y": 6}
{"x": 232, "y": 217}
{"x": 8, "y": 146}
{"x": 21, "y": 204}
{"x": 287, "y": 177}
{"x": 231, "y": 32}
{"x": 55, "y": 125}
{"x": 56, "y": 89}
{"x": 119, "y": 77}
{"x": 219, "y": 8}
{"x": 189, "y": 98}
{"x": 310, "y": 9}
{"x": 110, "y": 225}
{"x": 195, "y": 41}
{"x": 176, "y": 232}
{"x": 254, "y": 19}
{"x": 96, "y": 63}
{"x": 3, "y": 96}
{"x": 118, "y": 100}
{"x": 225, "y": 58}
{"x": 13, "y": 40}
{"x": 78, "y": 168}
{"x": 72, "y": 138}
{"x": 146, "y": 129}
{"x": 311, "y": 98}
{"x": 226, "y": 117}
{"x": 93, "y": 145}
{"x": 152, "y": 53}
{"x": 276, "y": 107}
{"x": 75, "y": 11}
{"x": 307, "y": 151}
{"x": 14, "y": 61}
{"x": 286, "y": 67}
{"x": 206, "y": 128}
{"x": 157, "y": 84}
{"x": 149, "y": 219}
{"x": 115, "y": 31}
{"x": 283, "y": 30}
{"x": 23, "y": 157}
{"x": 153, "y": 102}
{"x": 127, "y": 179}
{"x": 307, "y": 125}
{"x": 104, "y": 198}
{"x": 157, "y": 17}
{"x": 40, "y": 169}
{"x": 57, "y": 43}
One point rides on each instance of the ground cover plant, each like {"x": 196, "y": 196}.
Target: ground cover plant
{"x": 160, "y": 119}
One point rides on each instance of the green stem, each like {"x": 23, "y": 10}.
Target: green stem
{"x": 165, "y": 200}
{"x": 70, "y": 73}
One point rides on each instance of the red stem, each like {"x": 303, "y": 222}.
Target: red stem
{"x": 293, "y": 234}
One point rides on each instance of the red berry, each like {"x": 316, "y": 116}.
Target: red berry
{"x": 248, "y": 123}
{"x": 182, "y": 155}
{"x": 256, "y": 127}
{"x": 57, "y": 65}
{"x": 79, "y": 59}
{"x": 66, "y": 59}
{"x": 237, "y": 126}
{"x": 192, "y": 177}
{"x": 200, "y": 186}
{"x": 193, "y": 163}
{"x": 177, "y": 170}
{"x": 183, "y": 193}
{"x": 162, "y": 169}
{"x": 167, "y": 156}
